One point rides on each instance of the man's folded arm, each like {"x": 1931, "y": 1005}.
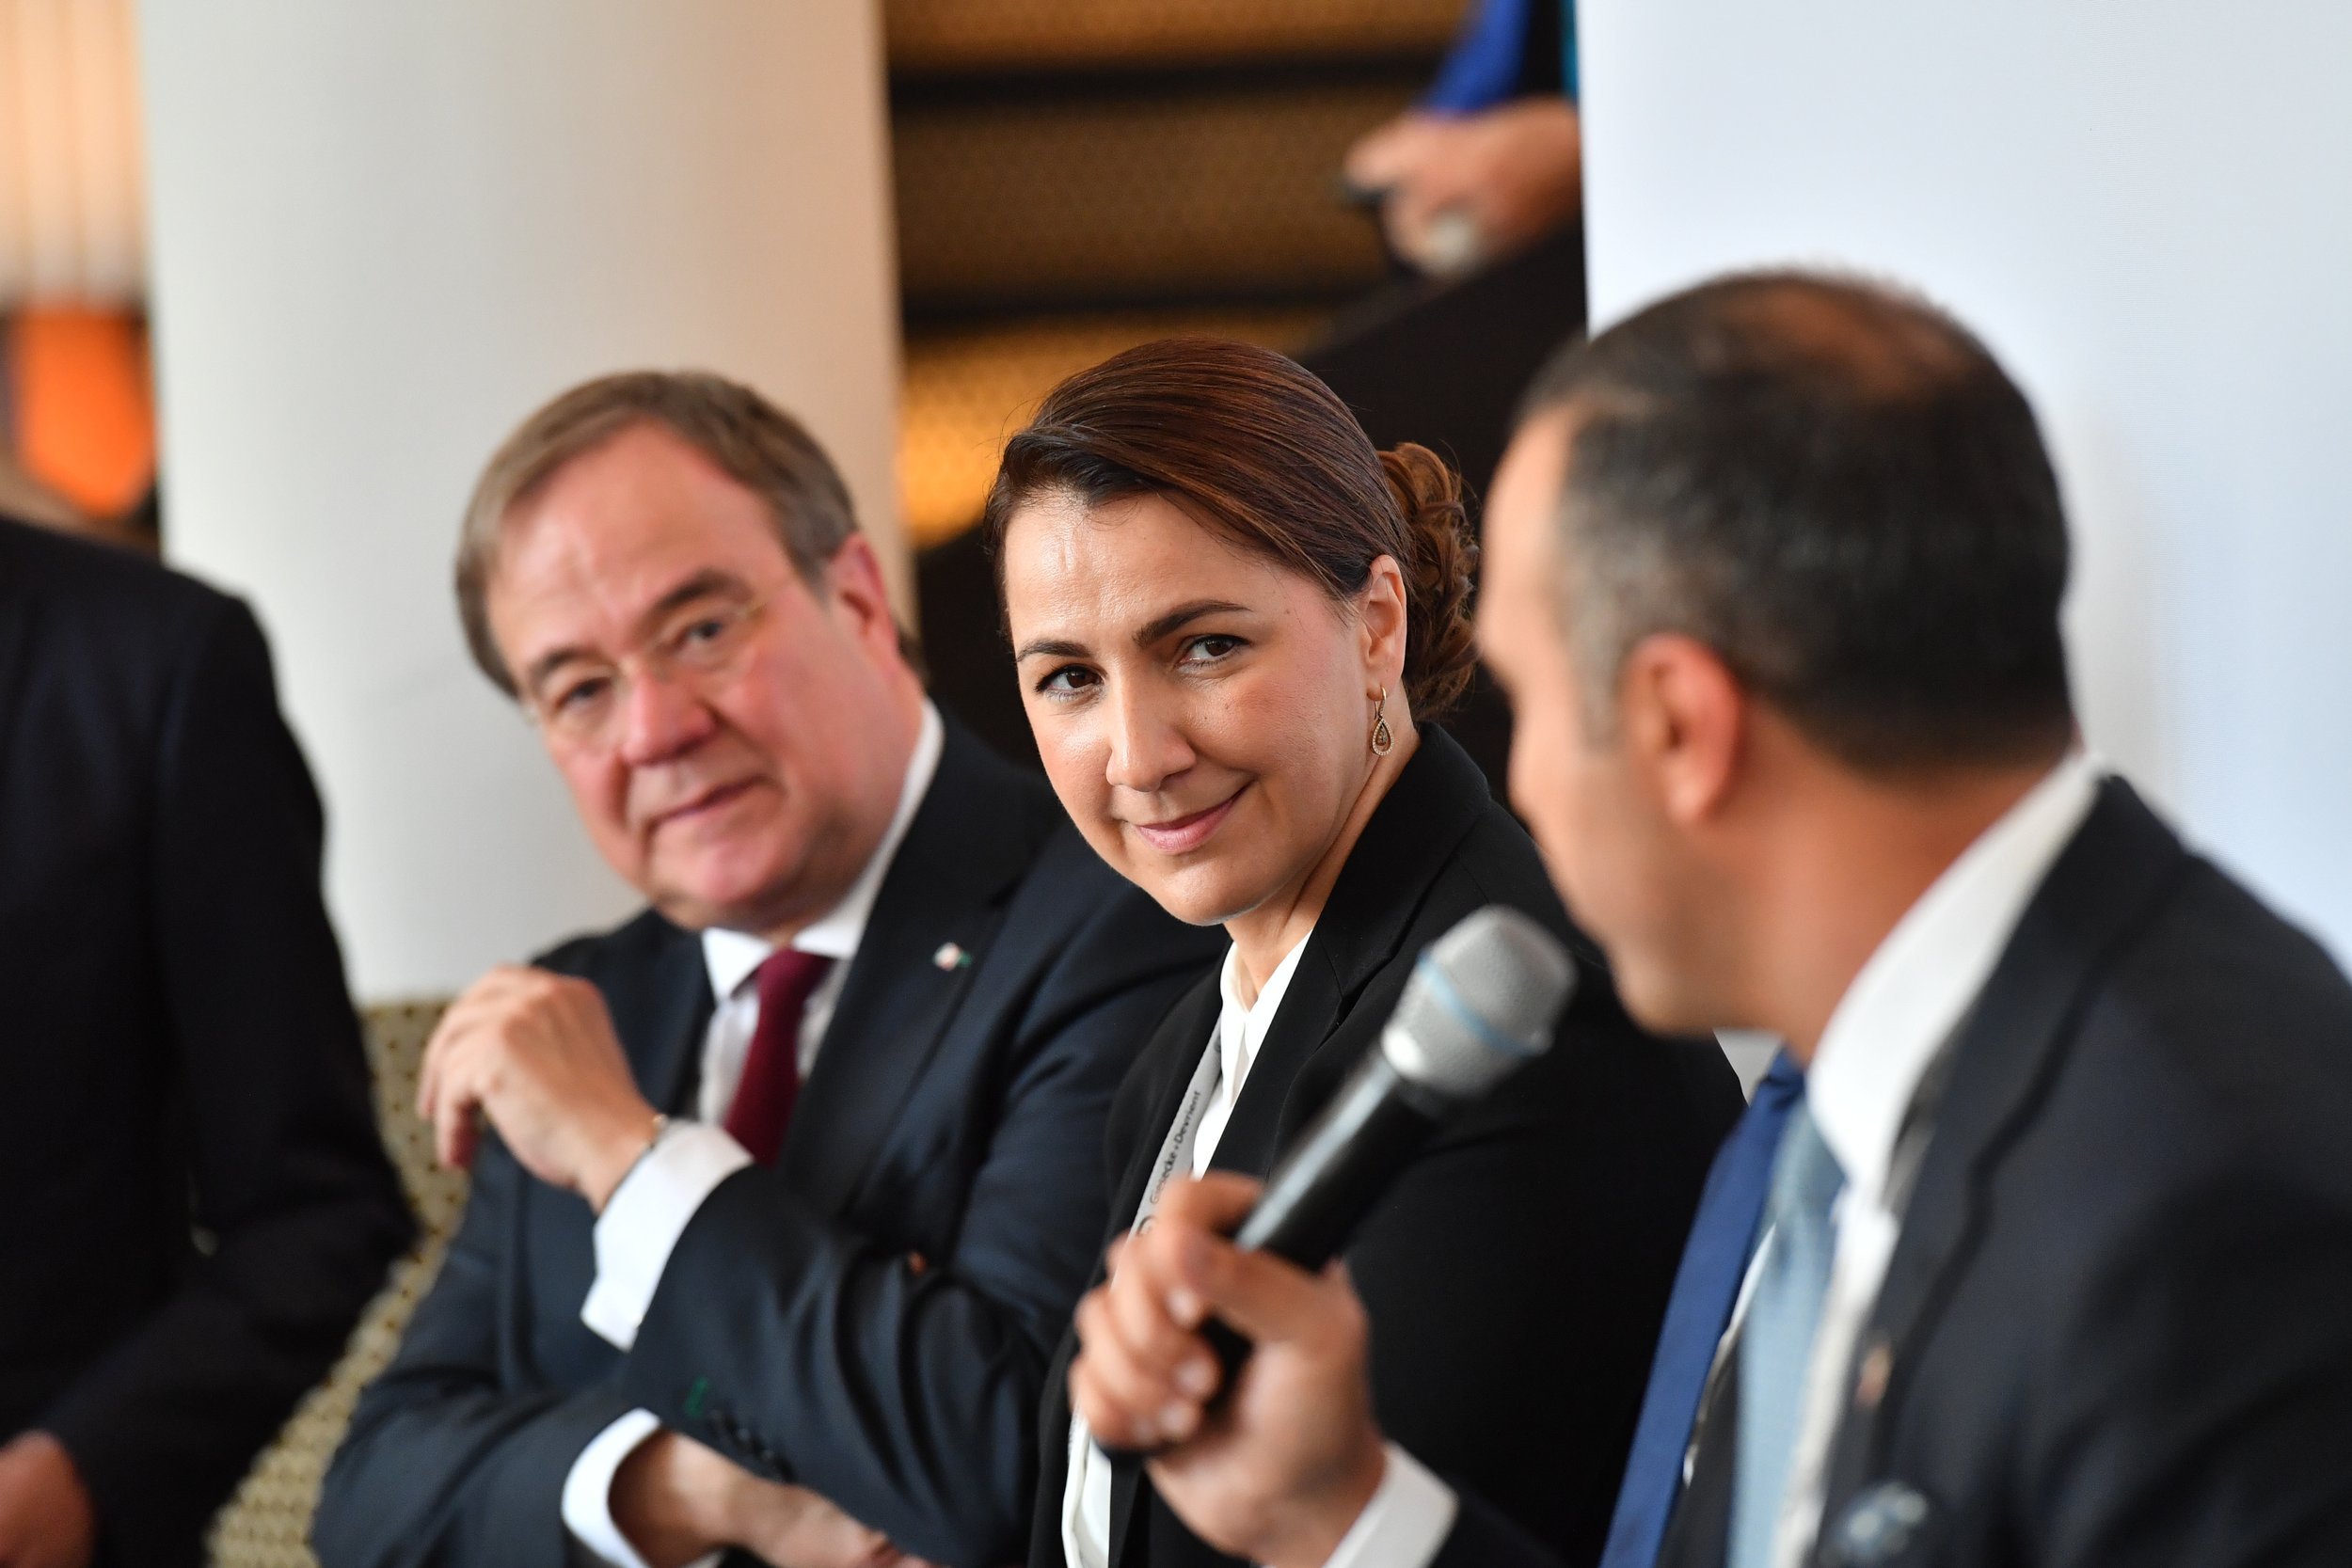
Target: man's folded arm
{"x": 442, "y": 1465}
{"x": 908, "y": 1396}
{"x": 295, "y": 1204}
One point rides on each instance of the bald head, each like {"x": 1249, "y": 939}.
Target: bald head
{"x": 1835, "y": 488}
{"x": 1884, "y": 344}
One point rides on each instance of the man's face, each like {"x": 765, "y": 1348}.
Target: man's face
{"x": 734, "y": 740}
{"x": 1612, "y": 851}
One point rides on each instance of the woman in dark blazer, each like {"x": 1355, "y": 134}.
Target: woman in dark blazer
{"x": 1233, "y": 620}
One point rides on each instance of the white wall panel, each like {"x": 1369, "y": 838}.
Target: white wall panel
{"x": 384, "y": 232}
{"x": 2147, "y": 211}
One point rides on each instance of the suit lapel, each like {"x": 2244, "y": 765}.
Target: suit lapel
{"x": 1309, "y": 1009}
{"x": 1189, "y": 1026}
{"x": 663, "y": 1025}
{"x": 1412, "y": 835}
{"x": 2103, "y": 887}
{"x": 1188, "y": 1023}
{"x": 939, "y": 909}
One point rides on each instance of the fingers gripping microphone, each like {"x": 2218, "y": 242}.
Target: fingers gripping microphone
{"x": 1481, "y": 1003}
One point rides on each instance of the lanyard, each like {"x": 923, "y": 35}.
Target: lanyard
{"x": 1176, "y": 1148}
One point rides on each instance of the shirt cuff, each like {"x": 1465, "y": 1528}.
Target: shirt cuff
{"x": 649, "y": 1211}
{"x": 1405, "y": 1522}
{"x": 588, "y": 1493}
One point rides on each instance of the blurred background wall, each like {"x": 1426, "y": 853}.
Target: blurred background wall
{"x": 381, "y": 235}
{"x": 2146, "y": 210}
{"x": 369, "y": 239}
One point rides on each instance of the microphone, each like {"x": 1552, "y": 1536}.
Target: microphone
{"x": 1481, "y": 1003}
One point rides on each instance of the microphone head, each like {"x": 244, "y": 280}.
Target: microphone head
{"x": 1481, "y": 1001}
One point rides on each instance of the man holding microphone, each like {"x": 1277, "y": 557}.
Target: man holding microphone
{"x": 2053, "y": 1246}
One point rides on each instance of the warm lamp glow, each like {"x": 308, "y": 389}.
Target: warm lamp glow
{"x": 85, "y": 408}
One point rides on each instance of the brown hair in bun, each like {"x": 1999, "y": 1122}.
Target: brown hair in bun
{"x": 1257, "y": 447}
{"x": 1439, "y": 650}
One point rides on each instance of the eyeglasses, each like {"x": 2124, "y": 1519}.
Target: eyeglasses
{"x": 581, "y": 705}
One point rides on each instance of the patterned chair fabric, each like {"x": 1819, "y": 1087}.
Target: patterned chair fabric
{"x": 268, "y": 1524}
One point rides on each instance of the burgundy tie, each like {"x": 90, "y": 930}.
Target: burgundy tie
{"x": 772, "y": 1069}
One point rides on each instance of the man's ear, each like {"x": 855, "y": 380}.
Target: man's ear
{"x": 1682, "y": 719}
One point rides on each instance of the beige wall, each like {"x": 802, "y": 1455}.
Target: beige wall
{"x": 382, "y": 234}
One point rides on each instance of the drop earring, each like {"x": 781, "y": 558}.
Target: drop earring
{"x": 1383, "y": 742}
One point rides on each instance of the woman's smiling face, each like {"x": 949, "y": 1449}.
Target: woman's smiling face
{"x": 1202, "y": 712}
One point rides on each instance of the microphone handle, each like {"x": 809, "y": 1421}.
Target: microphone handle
{"x": 1326, "y": 1183}
{"x": 1331, "y": 1177}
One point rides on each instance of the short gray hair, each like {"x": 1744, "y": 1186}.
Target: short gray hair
{"x": 751, "y": 440}
{"x": 1835, "y": 486}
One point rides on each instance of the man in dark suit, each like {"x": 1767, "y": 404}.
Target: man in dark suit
{"x": 2058, "y": 1232}
{"x": 193, "y": 1205}
{"x": 881, "y": 1001}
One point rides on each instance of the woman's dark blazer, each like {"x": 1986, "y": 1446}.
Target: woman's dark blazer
{"x": 1515, "y": 1273}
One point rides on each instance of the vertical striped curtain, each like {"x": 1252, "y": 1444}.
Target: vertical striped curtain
{"x": 73, "y": 217}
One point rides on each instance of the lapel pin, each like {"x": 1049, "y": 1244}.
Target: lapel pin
{"x": 952, "y": 957}
{"x": 1878, "y": 1365}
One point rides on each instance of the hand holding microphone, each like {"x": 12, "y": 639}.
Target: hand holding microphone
{"x": 1274, "y": 1468}
{"x": 1275, "y": 1465}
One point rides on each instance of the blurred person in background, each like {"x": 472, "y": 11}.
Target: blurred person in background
{"x": 2058, "y": 1237}
{"x": 1235, "y": 624}
{"x": 787, "y": 1184}
{"x": 194, "y": 1202}
{"x": 1491, "y": 160}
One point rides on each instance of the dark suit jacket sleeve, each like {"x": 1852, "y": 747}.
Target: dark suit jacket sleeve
{"x": 1482, "y": 1538}
{"x": 2205, "y": 1401}
{"x": 807, "y": 1352}
{"x": 444, "y": 1463}
{"x": 287, "y": 1173}
{"x": 1551, "y": 1218}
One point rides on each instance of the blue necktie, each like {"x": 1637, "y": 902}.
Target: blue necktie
{"x": 1776, "y": 1338}
{"x": 1714, "y": 1259}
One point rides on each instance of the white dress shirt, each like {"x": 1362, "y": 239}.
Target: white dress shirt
{"x": 1241, "y": 1029}
{"x": 1887, "y": 1030}
{"x": 651, "y": 1207}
